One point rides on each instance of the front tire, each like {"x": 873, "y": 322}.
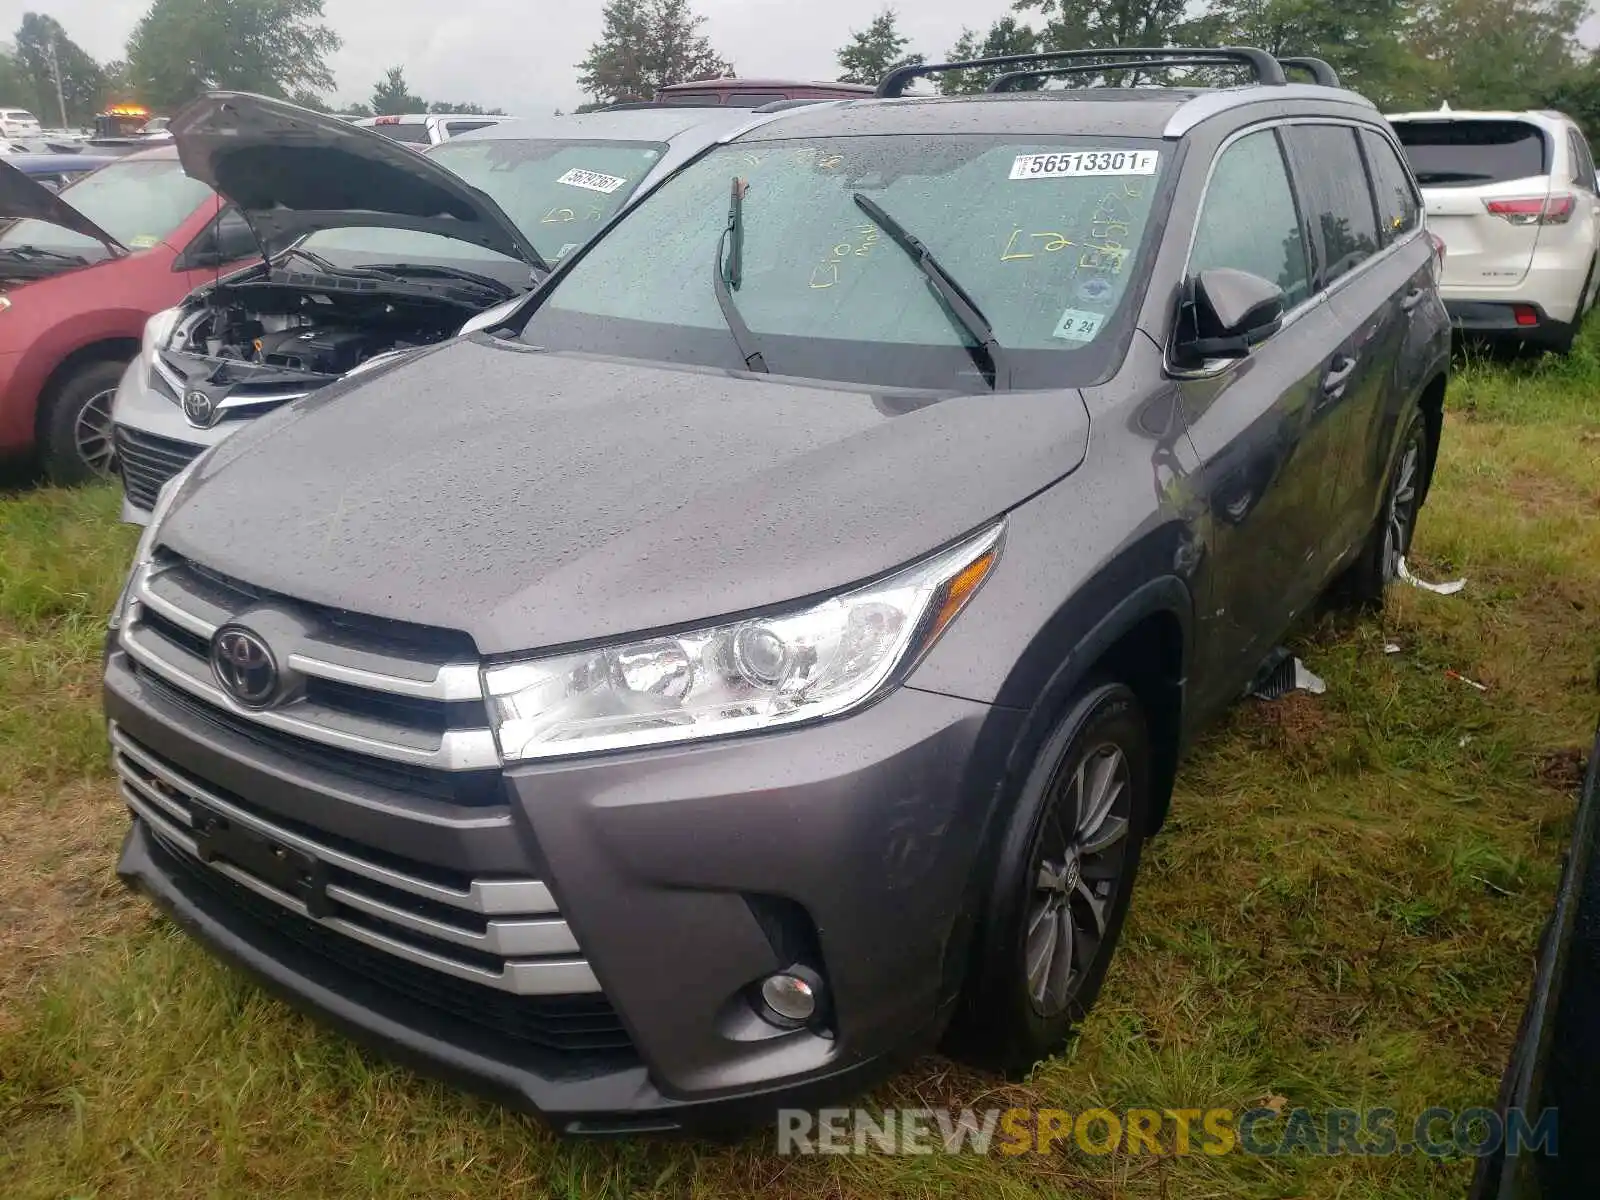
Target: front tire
{"x": 75, "y": 444}
{"x": 1063, "y": 878}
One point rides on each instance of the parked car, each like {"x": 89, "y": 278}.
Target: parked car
{"x": 18, "y": 123}
{"x": 553, "y": 181}
{"x": 80, "y": 273}
{"x": 427, "y": 129}
{"x": 56, "y": 171}
{"x": 755, "y": 93}
{"x": 772, "y": 651}
{"x": 1514, "y": 196}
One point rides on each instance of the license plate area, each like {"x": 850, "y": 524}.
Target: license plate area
{"x": 290, "y": 871}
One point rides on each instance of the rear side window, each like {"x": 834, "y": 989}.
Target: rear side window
{"x": 414, "y": 132}
{"x": 754, "y": 99}
{"x": 1399, "y": 210}
{"x": 454, "y": 127}
{"x": 1471, "y": 153}
{"x": 1333, "y": 189}
{"x": 1582, "y": 163}
{"x": 1250, "y": 178}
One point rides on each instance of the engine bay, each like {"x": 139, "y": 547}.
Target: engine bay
{"x": 263, "y": 331}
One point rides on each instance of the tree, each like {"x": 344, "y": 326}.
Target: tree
{"x": 354, "y": 111}
{"x": 309, "y": 99}
{"x": 872, "y": 52}
{"x": 1577, "y": 93}
{"x": 181, "y": 48}
{"x": 645, "y": 45}
{"x": 391, "y": 96}
{"x": 43, "y": 47}
{"x": 13, "y": 79}
{"x": 1106, "y": 24}
{"x": 1360, "y": 38}
{"x": 451, "y": 106}
{"x": 1490, "y": 53}
{"x": 1006, "y": 36}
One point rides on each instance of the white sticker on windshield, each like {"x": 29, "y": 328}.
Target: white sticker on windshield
{"x": 592, "y": 181}
{"x": 1064, "y": 165}
{"x": 1078, "y": 325}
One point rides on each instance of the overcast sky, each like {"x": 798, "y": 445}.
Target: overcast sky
{"x": 519, "y": 55}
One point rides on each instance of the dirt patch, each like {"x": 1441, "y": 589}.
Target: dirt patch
{"x": 1290, "y": 721}
{"x": 57, "y": 884}
{"x": 1562, "y": 769}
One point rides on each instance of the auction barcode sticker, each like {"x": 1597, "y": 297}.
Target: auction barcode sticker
{"x": 592, "y": 180}
{"x": 1064, "y": 165}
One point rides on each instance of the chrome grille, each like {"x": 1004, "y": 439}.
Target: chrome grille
{"x": 411, "y": 697}
{"x": 148, "y": 462}
{"x": 505, "y": 934}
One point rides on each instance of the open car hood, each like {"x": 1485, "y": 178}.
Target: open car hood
{"x": 292, "y": 172}
{"x": 22, "y": 197}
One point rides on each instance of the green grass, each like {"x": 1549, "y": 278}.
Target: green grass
{"x": 1342, "y": 911}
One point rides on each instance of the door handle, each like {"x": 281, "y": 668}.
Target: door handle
{"x": 1333, "y": 382}
{"x": 1411, "y": 299}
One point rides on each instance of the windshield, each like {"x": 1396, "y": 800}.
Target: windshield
{"x": 558, "y": 192}
{"x": 138, "y": 203}
{"x": 1471, "y": 152}
{"x": 1043, "y": 235}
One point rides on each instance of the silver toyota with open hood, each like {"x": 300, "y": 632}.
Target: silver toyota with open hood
{"x": 368, "y": 251}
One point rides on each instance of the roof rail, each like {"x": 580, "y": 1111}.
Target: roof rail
{"x": 1321, "y": 72}
{"x": 1266, "y": 67}
{"x": 1012, "y": 80}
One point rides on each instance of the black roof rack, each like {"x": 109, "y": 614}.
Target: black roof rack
{"x": 1010, "y": 81}
{"x": 1321, "y": 72}
{"x": 1266, "y": 67}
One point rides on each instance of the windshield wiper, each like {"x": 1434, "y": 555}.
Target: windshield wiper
{"x": 430, "y": 270}
{"x": 960, "y": 306}
{"x": 316, "y": 260}
{"x": 732, "y": 242}
{"x": 34, "y": 252}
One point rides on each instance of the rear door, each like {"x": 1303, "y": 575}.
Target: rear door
{"x": 1331, "y": 180}
{"x": 1486, "y": 182}
{"x": 1250, "y": 420}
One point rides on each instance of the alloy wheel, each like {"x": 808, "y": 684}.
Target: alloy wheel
{"x": 91, "y": 434}
{"x": 1077, "y": 868}
{"x": 1402, "y": 515}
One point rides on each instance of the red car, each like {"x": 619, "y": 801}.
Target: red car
{"x": 80, "y": 272}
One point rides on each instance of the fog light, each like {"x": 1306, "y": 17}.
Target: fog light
{"x": 789, "y": 998}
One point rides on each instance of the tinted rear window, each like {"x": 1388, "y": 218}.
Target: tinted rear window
{"x": 1471, "y": 153}
{"x": 416, "y": 133}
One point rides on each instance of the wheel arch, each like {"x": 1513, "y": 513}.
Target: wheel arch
{"x": 110, "y": 349}
{"x": 1431, "y": 401}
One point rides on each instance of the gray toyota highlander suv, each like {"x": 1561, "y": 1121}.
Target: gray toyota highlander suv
{"x": 766, "y": 653}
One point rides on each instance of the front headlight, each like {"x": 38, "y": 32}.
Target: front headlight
{"x": 157, "y": 330}
{"x": 813, "y": 662}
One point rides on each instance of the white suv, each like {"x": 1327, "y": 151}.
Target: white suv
{"x": 18, "y": 123}
{"x": 1513, "y": 197}
{"x": 420, "y": 130}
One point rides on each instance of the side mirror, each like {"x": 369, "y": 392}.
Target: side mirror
{"x": 1222, "y": 313}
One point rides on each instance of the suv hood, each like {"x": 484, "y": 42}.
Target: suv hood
{"x": 22, "y": 197}
{"x": 291, "y": 172}
{"x": 558, "y": 498}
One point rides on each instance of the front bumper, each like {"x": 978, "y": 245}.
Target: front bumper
{"x": 685, "y": 875}
{"x": 154, "y": 440}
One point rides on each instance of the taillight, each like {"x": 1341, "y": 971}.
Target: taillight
{"x": 1437, "y": 243}
{"x": 1534, "y": 210}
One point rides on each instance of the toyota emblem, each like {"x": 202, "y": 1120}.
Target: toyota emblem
{"x": 244, "y": 666}
{"x": 200, "y": 409}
